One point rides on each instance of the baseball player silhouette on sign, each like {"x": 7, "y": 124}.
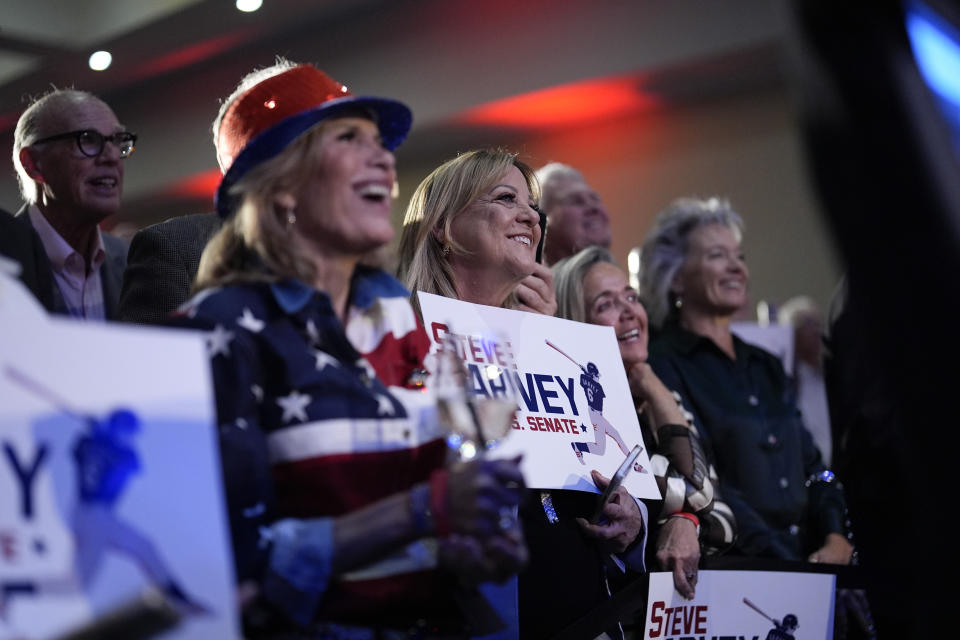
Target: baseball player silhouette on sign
{"x": 106, "y": 461}
{"x": 593, "y": 390}
{"x": 782, "y": 630}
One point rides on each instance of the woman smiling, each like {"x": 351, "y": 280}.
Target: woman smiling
{"x": 694, "y": 278}
{"x": 592, "y": 288}
{"x": 345, "y": 521}
{"x": 472, "y": 231}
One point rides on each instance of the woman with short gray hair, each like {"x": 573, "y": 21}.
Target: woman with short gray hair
{"x": 665, "y": 249}
{"x": 694, "y": 279}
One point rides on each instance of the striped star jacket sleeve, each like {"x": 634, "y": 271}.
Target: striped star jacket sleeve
{"x": 317, "y": 420}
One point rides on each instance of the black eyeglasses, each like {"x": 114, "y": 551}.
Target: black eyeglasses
{"x": 90, "y": 141}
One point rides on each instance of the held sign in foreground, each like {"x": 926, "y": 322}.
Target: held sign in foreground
{"x": 748, "y": 605}
{"x": 574, "y": 408}
{"x": 109, "y": 477}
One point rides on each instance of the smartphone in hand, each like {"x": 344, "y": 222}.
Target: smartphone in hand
{"x": 543, "y": 233}
{"x": 615, "y": 482}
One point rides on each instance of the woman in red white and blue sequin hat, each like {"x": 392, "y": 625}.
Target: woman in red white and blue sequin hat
{"x": 343, "y": 516}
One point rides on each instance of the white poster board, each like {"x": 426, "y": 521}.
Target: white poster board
{"x": 775, "y": 338}
{"x": 109, "y": 476}
{"x": 742, "y": 604}
{"x": 544, "y": 364}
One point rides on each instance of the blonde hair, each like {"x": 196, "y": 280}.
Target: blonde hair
{"x": 443, "y": 195}
{"x": 568, "y": 277}
{"x": 255, "y": 243}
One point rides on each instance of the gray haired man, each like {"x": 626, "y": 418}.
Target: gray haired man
{"x": 576, "y": 217}
{"x": 68, "y": 152}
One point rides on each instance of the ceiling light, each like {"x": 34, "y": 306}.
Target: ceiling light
{"x": 249, "y": 5}
{"x": 100, "y": 60}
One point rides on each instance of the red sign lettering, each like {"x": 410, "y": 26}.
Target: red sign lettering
{"x": 701, "y": 621}
{"x": 656, "y": 618}
{"x": 677, "y": 618}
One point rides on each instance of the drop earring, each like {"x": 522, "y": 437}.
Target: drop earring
{"x": 291, "y": 218}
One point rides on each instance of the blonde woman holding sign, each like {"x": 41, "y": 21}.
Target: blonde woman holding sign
{"x": 472, "y": 232}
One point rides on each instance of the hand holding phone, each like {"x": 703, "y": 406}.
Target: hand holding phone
{"x": 625, "y": 521}
{"x": 615, "y": 482}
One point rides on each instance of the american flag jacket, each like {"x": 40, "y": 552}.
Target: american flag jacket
{"x": 318, "y": 419}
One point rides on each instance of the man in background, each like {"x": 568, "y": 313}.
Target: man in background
{"x": 68, "y": 151}
{"x": 576, "y": 217}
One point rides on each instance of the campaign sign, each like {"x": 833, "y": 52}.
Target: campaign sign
{"x": 747, "y": 605}
{"x": 109, "y": 477}
{"x": 574, "y": 408}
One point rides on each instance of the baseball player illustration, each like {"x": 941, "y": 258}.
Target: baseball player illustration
{"x": 782, "y": 630}
{"x": 593, "y": 390}
{"x": 106, "y": 461}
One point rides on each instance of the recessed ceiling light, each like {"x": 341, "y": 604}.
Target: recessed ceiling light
{"x": 249, "y": 5}
{"x": 100, "y": 60}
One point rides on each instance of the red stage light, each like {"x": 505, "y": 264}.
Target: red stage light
{"x": 199, "y": 185}
{"x": 190, "y": 54}
{"x": 574, "y": 103}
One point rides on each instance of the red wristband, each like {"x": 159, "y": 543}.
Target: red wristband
{"x": 689, "y": 516}
{"x": 438, "y": 502}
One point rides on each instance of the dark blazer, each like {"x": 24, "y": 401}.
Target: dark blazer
{"x": 161, "y": 266}
{"x": 20, "y": 242}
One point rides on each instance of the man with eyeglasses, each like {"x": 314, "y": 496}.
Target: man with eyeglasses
{"x": 576, "y": 217}
{"x": 68, "y": 151}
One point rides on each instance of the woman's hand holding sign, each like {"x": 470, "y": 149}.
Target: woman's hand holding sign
{"x": 678, "y": 550}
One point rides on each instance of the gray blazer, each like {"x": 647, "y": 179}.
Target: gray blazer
{"x": 20, "y": 242}
{"x": 161, "y": 266}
